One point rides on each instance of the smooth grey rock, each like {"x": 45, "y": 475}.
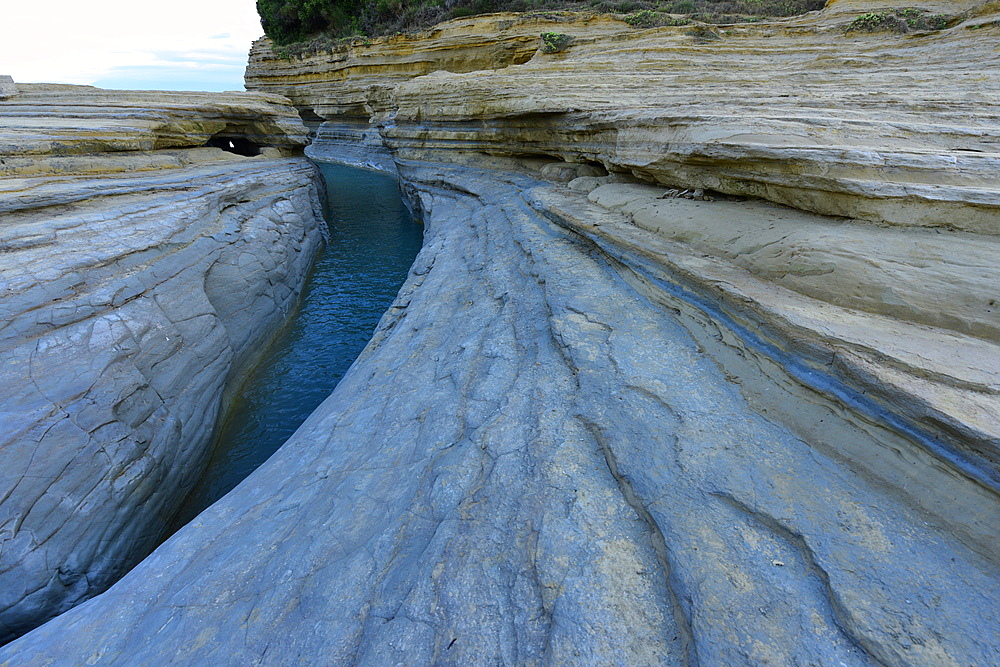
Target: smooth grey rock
{"x": 128, "y": 304}
{"x": 7, "y": 86}
{"x": 547, "y": 454}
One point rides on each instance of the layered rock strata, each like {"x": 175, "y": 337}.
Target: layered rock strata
{"x": 896, "y": 137}
{"x": 580, "y": 461}
{"x": 733, "y": 403}
{"x": 141, "y": 270}
{"x": 884, "y": 127}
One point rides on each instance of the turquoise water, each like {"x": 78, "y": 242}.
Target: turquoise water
{"x": 373, "y": 242}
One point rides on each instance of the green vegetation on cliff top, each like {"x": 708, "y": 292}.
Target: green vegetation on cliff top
{"x": 290, "y": 21}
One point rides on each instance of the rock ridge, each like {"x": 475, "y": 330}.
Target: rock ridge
{"x": 138, "y": 283}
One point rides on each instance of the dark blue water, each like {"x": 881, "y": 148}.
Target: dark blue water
{"x": 373, "y": 242}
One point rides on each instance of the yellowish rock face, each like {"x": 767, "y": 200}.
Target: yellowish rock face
{"x": 886, "y": 127}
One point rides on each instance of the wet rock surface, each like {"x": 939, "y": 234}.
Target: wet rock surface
{"x": 135, "y": 286}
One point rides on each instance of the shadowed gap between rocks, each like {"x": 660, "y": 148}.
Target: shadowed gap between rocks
{"x": 236, "y": 139}
{"x": 372, "y": 242}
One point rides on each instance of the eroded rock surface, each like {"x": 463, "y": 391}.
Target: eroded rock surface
{"x": 135, "y": 284}
{"x": 734, "y": 403}
{"x": 804, "y": 112}
{"x": 7, "y": 86}
{"x": 543, "y": 457}
{"x": 880, "y": 126}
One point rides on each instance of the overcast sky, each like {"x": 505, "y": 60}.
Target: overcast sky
{"x": 172, "y": 45}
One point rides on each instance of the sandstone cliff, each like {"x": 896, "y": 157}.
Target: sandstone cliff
{"x": 140, "y": 269}
{"x": 698, "y": 365}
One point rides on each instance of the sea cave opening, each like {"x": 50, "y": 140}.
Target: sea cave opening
{"x": 232, "y": 141}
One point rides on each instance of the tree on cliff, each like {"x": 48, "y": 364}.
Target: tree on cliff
{"x": 289, "y": 21}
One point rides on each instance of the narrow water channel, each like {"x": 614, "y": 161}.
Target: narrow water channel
{"x": 373, "y": 242}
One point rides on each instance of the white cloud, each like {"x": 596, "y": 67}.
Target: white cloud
{"x": 180, "y": 45}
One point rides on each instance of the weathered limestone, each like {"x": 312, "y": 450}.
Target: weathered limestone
{"x": 883, "y": 127}
{"x": 136, "y": 284}
{"x": 563, "y": 471}
{"x": 801, "y": 112}
{"x": 352, "y": 144}
{"x": 607, "y": 425}
{"x": 871, "y": 133}
{"x": 341, "y": 82}
{"x": 907, "y": 314}
{"x": 61, "y": 120}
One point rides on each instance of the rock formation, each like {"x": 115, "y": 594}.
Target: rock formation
{"x": 140, "y": 271}
{"x": 7, "y": 87}
{"x": 698, "y": 365}
{"x": 827, "y": 120}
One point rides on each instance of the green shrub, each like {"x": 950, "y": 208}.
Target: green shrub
{"x": 643, "y": 19}
{"x": 554, "y": 42}
{"x": 898, "y": 20}
{"x": 937, "y": 22}
{"x": 874, "y": 22}
{"x": 648, "y": 19}
{"x": 289, "y": 22}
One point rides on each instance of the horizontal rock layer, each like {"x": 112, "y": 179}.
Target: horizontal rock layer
{"x": 56, "y": 120}
{"x": 625, "y": 420}
{"x": 802, "y": 112}
{"x": 135, "y": 286}
{"x": 884, "y": 127}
